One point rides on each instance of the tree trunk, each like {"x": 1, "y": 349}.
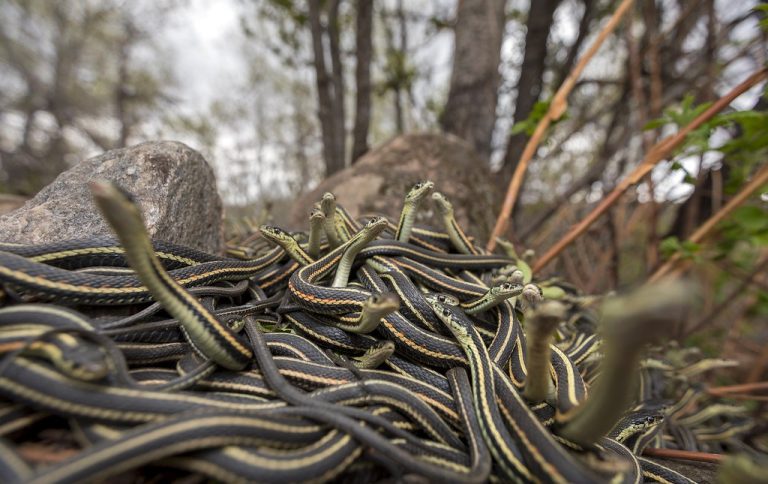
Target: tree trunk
{"x": 470, "y": 111}
{"x": 364, "y": 43}
{"x": 337, "y": 76}
{"x": 401, "y": 86}
{"x": 531, "y": 76}
{"x": 121, "y": 90}
{"x": 333, "y": 162}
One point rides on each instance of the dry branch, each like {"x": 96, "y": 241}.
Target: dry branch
{"x": 761, "y": 386}
{"x": 683, "y": 455}
{"x": 556, "y": 109}
{"x": 674, "y": 264}
{"x": 658, "y": 153}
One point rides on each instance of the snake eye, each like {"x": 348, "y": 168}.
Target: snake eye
{"x": 418, "y": 185}
{"x": 441, "y": 298}
{"x": 446, "y": 312}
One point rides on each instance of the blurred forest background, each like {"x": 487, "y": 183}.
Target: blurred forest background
{"x": 278, "y": 94}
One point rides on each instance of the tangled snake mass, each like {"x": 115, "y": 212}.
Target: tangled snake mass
{"x": 361, "y": 350}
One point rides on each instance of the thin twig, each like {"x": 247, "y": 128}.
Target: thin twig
{"x": 658, "y": 153}
{"x": 759, "y": 366}
{"x": 42, "y": 454}
{"x": 556, "y": 109}
{"x": 683, "y": 455}
{"x": 759, "y": 386}
{"x": 746, "y": 396}
{"x": 675, "y": 263}
{"x": 731, "y": 297}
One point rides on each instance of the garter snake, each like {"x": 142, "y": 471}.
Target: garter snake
{"x": 316, "y": 221}
{"x": 209, "y": 336}
{"x": 61, "y": 285}
{"x": 533, "y": 448}
{"x": 104, "y": 251}
{"x": 408, "y": 215}
{"x": 288, "y": 243}
{"x": 23, "y": 325}
{"x": 341, "y": 420}
{"x": 331, "y": 300}
{"x": 458, "y": 238}
{"x": 328, "y": 209}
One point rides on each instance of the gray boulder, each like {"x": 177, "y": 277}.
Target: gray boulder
{"x": 378, "y": 182}
{"x": 173, "y": 184}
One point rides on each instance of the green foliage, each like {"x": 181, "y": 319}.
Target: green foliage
{"x": 439, "y": 23}
{"x": 398, "y": 72}
{"x": 746, "y": 147}
{"x": 760, "y": 309}
{"x": 747, "y": 225}
{"x": 743, "y": 235}
{"x": 293, "y": 11}
{"x": 682, "y": 115}
{"x": 679, "y": 115}
{"x": 685, "y": 249}
{"x": 528, "y": 125}
{"x": 763, "y": 9}
{"x": 539, "y": 110}
{"x": 747, "y": 150}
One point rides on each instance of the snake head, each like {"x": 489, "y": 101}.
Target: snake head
{"x": 316, "y": 215}
{"x": 387, "y": 302}
{"x": 647, "y": 314}
{"x": 516, "y": 277}
{"x": 328, "y": 204}
{"x": 377, "y": 354}
{"x": 441, "y": 202}
{"x": 376, "y": 224}
{"x": 443, "y": 298}
{"x": 275, "y": 234}
{"x": 459, "y": 326}
{"x": 533, "y": 294}
{"x": 87, "y": 363}
{"x": 419, "y": 191}
{"x": 384, "y": 345}
{"x": 506, "y": 290}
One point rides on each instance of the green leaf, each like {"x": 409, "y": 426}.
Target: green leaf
{"x": 553, "y": 292}
{"x": 763, "y": 23}
{"x": 525, "y": 269}
{"x": 528, "y": 125}
{"x": 689, "y": 247}
{"x": 669, "y": 246}
{"x": 751, "y": 218}
{"x": 654, "y": 123}
{"x": 759, "y": 240}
